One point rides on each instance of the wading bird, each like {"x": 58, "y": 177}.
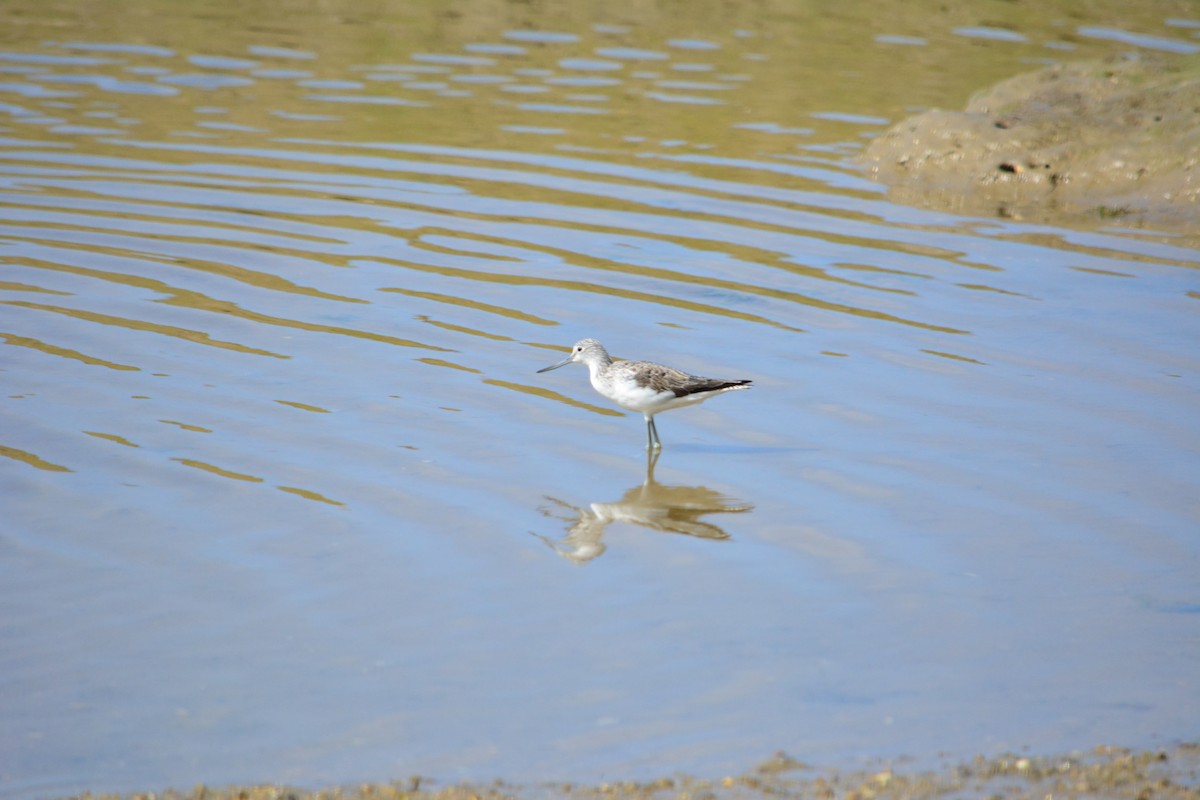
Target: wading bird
{"x": 643, "y": 386}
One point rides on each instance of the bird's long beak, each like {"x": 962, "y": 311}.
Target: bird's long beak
{"x": 562, "y": 363}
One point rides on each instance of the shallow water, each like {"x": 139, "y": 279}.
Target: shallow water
{"x": 284, "y": 499}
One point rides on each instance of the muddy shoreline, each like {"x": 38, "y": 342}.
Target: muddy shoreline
{"x": 1100, "y": 141}
{"x": 1103, "y": 772}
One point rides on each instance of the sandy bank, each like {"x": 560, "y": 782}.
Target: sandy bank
{"x": 1109, "y": 140}
{"x": 1104, "y": 772}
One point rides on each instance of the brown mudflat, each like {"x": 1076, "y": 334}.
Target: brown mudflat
{"x": 1105, "y": 772}
{"x": 1098, "y": 141}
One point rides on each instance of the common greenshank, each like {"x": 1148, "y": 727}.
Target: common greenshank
{"x": 643, "y": 386}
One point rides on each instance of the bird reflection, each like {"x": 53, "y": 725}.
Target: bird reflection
{"x": 670, "y": 509}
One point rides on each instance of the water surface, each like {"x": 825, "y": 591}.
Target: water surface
{"x": 284, "y": 499}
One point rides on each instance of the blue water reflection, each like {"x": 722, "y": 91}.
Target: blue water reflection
{"x": 284, "y": 499}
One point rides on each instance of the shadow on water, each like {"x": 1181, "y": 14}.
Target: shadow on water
{"x": 650, "y": 504}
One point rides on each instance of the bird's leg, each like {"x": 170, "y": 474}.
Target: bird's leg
{"x": 652, "y": 440}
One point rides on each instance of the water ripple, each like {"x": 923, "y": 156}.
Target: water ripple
{"x": 275, "y": 330}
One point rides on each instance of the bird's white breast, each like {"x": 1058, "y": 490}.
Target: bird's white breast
{"x": 625, "y": 392}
